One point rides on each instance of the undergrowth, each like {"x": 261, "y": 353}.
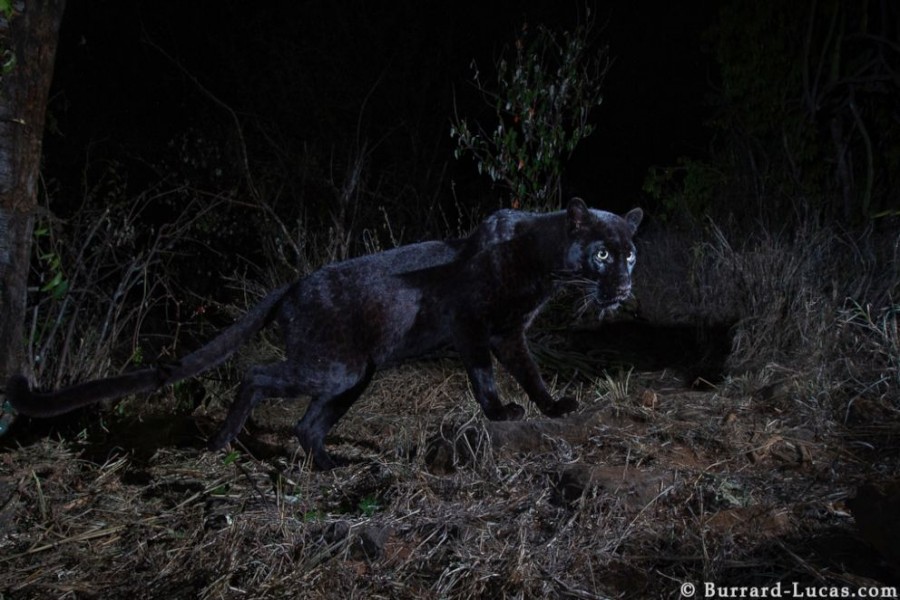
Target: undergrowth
{"x": 647, "y": 486}
{"x": 813, "y": 304}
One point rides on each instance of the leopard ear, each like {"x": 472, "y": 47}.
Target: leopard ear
{"x": 577, "y": 214}
{"x": 634, "y": 218}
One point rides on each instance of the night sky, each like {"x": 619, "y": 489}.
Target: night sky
{"x": 130, "y": 76}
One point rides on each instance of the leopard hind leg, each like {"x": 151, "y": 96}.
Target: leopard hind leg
{"x": 278, "y": 380}
{"x": 323, "y": 412}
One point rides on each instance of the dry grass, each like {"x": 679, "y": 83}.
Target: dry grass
{"x": 647, "y": 487}
{"x": 650, "y": 485}
{"x": 811, "y": 305}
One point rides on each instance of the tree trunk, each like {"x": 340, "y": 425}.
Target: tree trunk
{"x": 29, "y": 35}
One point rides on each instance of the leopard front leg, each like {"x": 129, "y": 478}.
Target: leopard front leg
{"x": 473, "y": 347}
{"x": 513, "y": 353}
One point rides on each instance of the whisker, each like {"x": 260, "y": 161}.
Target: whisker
{"x": 585, "y": 297}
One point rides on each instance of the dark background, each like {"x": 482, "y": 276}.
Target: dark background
{"x": 328, "y": 123}
{"x": 325, "y": 75}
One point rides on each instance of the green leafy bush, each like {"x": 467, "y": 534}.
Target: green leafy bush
{"x": 542, "y": 101}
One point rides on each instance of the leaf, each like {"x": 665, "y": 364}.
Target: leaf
{"x": 9, "y": 61}
{"x": 60, "y": 290}
{"x": 57, "y": 279}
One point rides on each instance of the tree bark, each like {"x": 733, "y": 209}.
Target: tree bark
{"x": 29, "y": 35}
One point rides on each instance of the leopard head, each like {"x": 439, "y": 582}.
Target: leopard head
{"x": 600, "y": 253}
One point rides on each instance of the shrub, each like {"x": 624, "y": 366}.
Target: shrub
{"x": 544, "y": 95}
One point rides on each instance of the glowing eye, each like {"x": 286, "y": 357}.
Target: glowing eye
{"x": 602, "y": 254}
{"x": 631, "y": 257}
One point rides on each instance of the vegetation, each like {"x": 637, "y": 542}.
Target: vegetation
{"x": 637, "y": 494}
{"x": 792, "y": 212}
{"x": 804, "y": 123}
{"x": 781, "y": 470}
{"x": 542, "y": 103}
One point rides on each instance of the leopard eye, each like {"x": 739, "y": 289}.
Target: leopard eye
{"x": 631, "y": 257}
{"x": 602, "y": 254}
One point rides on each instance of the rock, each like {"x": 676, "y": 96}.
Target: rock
{"x": 635, "y": 488}
{"x": 452, "y": 448}
{"x": 538, "y": 435}
{"x": 370, "y": 541}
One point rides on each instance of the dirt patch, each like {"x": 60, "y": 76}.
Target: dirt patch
{"x": 635, "y": 494}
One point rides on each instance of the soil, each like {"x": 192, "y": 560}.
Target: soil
{"x": 650, "y": 486}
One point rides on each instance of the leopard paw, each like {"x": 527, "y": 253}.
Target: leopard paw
{"x": 514, "y": 412}
{"x": 561, "y": 407}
